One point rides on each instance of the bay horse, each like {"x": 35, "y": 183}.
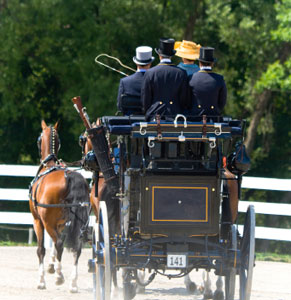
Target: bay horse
{"x": 59, "y": 203}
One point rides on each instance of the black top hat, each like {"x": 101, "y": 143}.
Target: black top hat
{"x": 206, "y": 55}
{"x": 166, "y": 47}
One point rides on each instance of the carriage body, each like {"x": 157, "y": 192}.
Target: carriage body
{"x": 172, "y": 188}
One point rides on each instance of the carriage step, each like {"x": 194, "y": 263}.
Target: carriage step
{"x": 91, "y": 266}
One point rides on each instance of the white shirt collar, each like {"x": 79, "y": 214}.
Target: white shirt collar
{"x": 165, "y": 60}
{"x": 141, "y": 70}
{"x": 206, "y": 68}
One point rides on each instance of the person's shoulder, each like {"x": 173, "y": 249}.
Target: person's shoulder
{"x": 128, "y": 78}
{"x": 217, "y": 76}
{"x": 207, "y": 73}
{"x": 152, "y": 70}
{"x": 198, "y": 74}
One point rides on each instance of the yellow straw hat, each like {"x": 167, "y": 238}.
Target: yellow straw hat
{"x": 187, "y": 49}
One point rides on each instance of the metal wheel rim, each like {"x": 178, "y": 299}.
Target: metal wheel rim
{"x": 103, "y": 271}
{"x": 247, "y": 249}
{"x": 94, "y": 258}
{"x": 230, "y": 277}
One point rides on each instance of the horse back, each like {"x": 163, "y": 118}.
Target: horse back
{"x": 50, "y": 189}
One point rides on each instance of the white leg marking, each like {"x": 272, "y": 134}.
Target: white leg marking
{"x": 74, "y": 278}
{"x": 59, "y": 275}
{"x": 41, "y": 284}
{"x": 141, "y": 275}
{"x": 218, "y": 294}
{"x": 190, "y": 285}
{"x": 208, "y": 294}
{"x": 51, "y": 268}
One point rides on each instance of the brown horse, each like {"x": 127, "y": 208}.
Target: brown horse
{"x": 59, "y": 200}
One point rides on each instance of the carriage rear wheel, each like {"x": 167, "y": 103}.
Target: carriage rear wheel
{"x": 230, "y": 277}
{"x": 247, "y": 253}
{"x": 102, "y": 277}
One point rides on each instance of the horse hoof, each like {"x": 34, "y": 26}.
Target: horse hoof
{"x": 60, "y": 280}
{"x": 51, "y": 269}
{"x": 41, "y": 286}
{"x": 129, "y": 291}
{"x": 218, "y": 295}
{"x": 191, "y": 288}
{"x": 73, "y": 290}
{"x": 208, "y": 295}
{"x": 140, "y": 289}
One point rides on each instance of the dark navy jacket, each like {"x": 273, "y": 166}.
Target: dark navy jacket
{"x": 165, "y": 90}
{"x": 130, "y": 85}
{"x": 209, "y": 93}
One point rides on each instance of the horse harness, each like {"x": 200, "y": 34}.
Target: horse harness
{"x": 41, "y": 176}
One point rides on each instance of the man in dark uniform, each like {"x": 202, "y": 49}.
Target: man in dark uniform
{"x": 208, "y": 88}
{"x": 131, "y": 85}
{"x": 165, "y": 89}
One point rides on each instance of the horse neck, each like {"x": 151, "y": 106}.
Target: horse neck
{"x": 49, "y": 157}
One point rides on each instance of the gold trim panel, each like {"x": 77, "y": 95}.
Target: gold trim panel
{"x": 180, "y": 187}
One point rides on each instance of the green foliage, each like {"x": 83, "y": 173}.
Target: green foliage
{"x": 48, "y": 50}
{"x": 283, "y": 32}
{"x": 47, "y": 57}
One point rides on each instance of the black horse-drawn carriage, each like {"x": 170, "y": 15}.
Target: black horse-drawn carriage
{"x": 168, "y": 207}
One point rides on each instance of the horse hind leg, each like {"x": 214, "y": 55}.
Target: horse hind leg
{"x": 51, "y": 266}
{"x": 218, "y": 294}
{"x": 39, "y": 231}
{"x": 190, "y": 285}
{"x": 58, "y": 265}
{"x": 140, "y": 289}
{"x": 74, "y": 274}
{"x": 208, "y": 294}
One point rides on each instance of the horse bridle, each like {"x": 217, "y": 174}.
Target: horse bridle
{"x": 52, "y": 155}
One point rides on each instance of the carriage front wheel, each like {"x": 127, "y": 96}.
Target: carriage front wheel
{"x": 101, "y": 242}
{"x": 247, "y": 253}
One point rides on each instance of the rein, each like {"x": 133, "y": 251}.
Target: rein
{"x": 64, "y": 205}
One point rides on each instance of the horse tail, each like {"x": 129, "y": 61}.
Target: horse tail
{"x": 77, "y": 192}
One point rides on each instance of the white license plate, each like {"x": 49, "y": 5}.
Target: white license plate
{"x": 177, "y": 261}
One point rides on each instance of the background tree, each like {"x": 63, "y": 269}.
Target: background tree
{"x": 47, "y": 57}
{"x": 48, "y": 50}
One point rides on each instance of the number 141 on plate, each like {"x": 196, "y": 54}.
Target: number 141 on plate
{"x": 177, "y": 261}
